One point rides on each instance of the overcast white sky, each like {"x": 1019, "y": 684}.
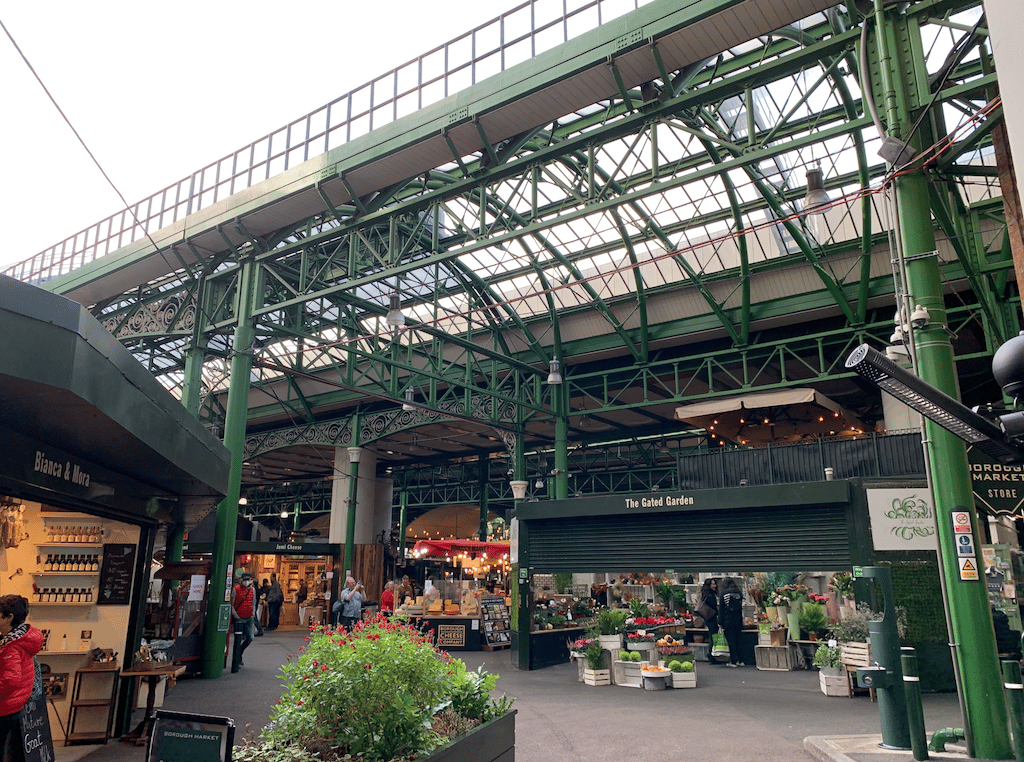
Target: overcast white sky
{"x": 158, "y": 90}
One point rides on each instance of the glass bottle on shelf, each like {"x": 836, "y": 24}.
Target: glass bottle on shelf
{"x": 49, "y": 534}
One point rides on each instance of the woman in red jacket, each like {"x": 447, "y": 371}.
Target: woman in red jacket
{"x": 19, "y": 643}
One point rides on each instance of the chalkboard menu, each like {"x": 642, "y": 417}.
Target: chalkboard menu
{"x": 116, "y": 575}
{"x": 35, "y": 732}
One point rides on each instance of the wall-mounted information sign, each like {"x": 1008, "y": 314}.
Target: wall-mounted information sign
{"x": 963, "y": 537}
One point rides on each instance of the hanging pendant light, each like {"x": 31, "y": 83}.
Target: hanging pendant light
{"x": 410, "y": 395}
{"x": 816, "y": 201}
{"x": 395, "y": 318}
{"x": 554, "y": 376}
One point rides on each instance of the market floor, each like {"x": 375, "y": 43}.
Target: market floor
{"x": 741, "y": 715}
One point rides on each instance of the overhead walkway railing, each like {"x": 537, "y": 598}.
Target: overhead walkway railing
{"x": 513, "y": 37}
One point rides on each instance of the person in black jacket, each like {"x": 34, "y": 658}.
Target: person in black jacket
{"x": 708, "y": 602}
{"x": 1007, "y": 640}
{"x": 730, "y": 613}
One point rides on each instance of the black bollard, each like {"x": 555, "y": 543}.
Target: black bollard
{"x": 915, "y": 710}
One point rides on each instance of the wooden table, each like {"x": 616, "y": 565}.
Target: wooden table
{"x": 153, "y": 672}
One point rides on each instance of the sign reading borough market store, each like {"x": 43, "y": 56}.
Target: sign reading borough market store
{"x": 998, "y": 489}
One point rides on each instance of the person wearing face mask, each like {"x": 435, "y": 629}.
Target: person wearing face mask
{"x": 243, "y": 605}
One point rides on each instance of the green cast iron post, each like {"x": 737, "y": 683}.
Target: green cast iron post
{"x": 218, "y": 619}
{"x": 350, "y": 524}
{"x": 967, "y": 600}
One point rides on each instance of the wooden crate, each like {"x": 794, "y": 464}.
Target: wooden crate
{"x": 834, "y": 685}
{"x": 855, "y": 654}
{"x": 775, "y": 658}
{"x": 597, "y": 676}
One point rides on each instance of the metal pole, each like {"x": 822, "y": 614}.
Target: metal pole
{"x": 915, "y": 711}
{"x": 986, "y": 719}
{"x": 218, "y": 608}
{"x": 1015, "y": 699}
{"x": 350, "y": 525}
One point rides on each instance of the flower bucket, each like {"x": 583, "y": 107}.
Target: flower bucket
{"x": 772, "y": 612}
{"x": 655, "y": 682}
{"x": 793, "y": 620}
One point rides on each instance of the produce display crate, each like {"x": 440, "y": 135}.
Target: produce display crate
{"x": 627, "y": 674}
{"x": 775, "y": 658}
{"x": 834, "y": 685}
{"x": 855, "y": 654}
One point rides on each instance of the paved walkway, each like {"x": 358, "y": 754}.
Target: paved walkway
{"x": 740, "y": 715}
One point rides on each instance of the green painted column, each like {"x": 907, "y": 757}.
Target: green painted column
{"x": 403, "y": 522}
{"x": 218, "y": 612}
{"x": 192, "y": 383}
{"x": 483, "y": 474}
{"x": 559, "y": 404}
{"x": 967, "y": 599}
{"x": 350, "y": 524}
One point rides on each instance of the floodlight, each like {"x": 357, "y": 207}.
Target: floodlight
{"x": 934, "y": 404}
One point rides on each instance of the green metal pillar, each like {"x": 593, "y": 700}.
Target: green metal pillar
{"x": 483, "y": 476}
{"x": 905, "y": 86}
{"x": 559, "y": 404}
{"x": 192, "y": 383}
{"x": 218, "y": 609}
{"x": 403, "y": 522}
{"x": 350, "y": 524}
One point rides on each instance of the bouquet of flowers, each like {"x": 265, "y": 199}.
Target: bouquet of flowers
{"x": 651, "y": 621}
{"x": 792, "y": 592}
{"x": 674, "y": 650}
{"x": 817, "y": 598}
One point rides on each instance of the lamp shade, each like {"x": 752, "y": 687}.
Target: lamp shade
{"x": 816, "y": 199}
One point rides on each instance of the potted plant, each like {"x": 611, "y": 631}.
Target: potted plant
{"x": 684, "y": 674}
{"x": 813, "y": 619}
{"x": 563, "y": 582}
{"x": 377, "y": 693}
{"x": 627, "y": 668}
{"x": 828, "y": 659}
{"x": 596, "y": 672}
{"x": 611, "y": 623}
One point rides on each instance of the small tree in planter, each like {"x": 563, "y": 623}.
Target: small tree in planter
{"x": 596, "y": 672}
{"x": 813, "y": 619}
{"x": 610, "y": 624}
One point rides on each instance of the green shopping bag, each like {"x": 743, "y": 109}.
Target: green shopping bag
{"x": 719, "y": 646}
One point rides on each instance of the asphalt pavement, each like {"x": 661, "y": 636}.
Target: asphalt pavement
{"x": 741, "y": 715}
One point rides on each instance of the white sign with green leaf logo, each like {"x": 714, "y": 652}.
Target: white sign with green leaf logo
{"x": 902, "y": 519}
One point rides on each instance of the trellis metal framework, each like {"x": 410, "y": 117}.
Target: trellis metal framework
{"x": 653, "y": 242}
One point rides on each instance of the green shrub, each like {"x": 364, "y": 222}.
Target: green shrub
{"x": 638, "y": 608}
{"x": 827, "y": 656}
{"x": 675, "y": 666}
{"x": 625, "y": 656}
{"x": 372, "y": 693}
{"x": 687, "y": 666}
{"x": 594, "y": 656}
{"x": 812, "y": 617}
{"x": 612, "y": 621}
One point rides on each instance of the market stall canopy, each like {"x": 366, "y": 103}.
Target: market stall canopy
{"x": 473, "y": 548}
{"x": 68, "y": 385}
{"x": 784, "y": 415}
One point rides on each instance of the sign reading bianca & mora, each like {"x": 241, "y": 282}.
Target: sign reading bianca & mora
{"x": 902, "y": 519}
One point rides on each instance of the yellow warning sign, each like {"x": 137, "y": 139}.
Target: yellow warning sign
{"x": 968, "y": 568}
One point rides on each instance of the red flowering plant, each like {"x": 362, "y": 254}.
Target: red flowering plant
{"x": 642, "y": 622}
{"x": 640, "y": 636}
{"x": 580, "y": 644}
{"x": 817, "y": 598}
{"x": 376, "y": 693}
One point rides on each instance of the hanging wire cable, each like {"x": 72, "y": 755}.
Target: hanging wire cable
{"x": 95, "y": 161}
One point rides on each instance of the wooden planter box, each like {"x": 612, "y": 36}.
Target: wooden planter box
{"x": 627, "y": 673}
{"x": 776, "y": 658}
{"x": 684, "y": 680}
{"x": 833, "y": 685}
{"x": 597, "y": 676}
{"x": 777, "y": 637}
{"x": 493, "y": 741}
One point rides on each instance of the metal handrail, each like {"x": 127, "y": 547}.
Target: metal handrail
{"x": 515, "y": 36}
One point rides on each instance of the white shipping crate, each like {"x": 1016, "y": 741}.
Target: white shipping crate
{"x": 834, "y": 685}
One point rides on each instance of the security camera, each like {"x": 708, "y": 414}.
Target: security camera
{"x": 919, "y": 317}
{"x": 897, "y": 336}
{"x": 1008, "y": 367}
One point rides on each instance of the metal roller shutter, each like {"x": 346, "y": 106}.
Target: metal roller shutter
{"x": 751, "y": 539}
